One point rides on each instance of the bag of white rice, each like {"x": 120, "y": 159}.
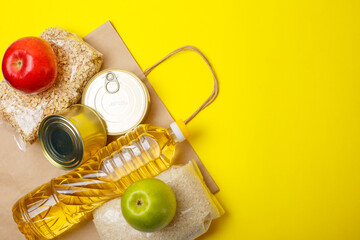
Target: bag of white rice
{"x": 196, "y": 208}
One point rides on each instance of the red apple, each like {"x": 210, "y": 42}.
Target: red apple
{"x": 30, "y": 65}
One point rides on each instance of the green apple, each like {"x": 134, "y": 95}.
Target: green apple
{"x": 148, "y": 205}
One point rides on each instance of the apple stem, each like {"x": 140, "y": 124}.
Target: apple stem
{"x": 19, "y": 63}
{"x": 139, "y": 203}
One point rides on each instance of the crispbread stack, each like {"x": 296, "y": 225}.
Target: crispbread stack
{"x": 77, "y": 63}
{"x": 196, "y": 207}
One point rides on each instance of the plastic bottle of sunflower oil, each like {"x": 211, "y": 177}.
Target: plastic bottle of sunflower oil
{"x": 56, "y": 206}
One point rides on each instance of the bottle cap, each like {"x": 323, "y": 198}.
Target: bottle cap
{"x": 180, "y": 130}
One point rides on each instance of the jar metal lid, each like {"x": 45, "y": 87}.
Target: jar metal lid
{"x": 120, "y": 97}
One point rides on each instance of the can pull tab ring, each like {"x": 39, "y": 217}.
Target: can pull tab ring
{"x": 111, "y": 79}
{"x": 214, "y": 93}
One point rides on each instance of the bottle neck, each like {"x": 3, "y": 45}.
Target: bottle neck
{"x": 173, "y": 135}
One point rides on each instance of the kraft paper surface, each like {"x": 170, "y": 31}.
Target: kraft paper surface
{"x": 21, "y": 172}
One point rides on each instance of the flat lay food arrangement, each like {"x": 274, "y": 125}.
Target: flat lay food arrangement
{"x": 135, "y": 177}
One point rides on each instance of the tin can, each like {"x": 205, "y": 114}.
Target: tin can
{"x": 120, "y": 97}
{"x": 72, "y": 136}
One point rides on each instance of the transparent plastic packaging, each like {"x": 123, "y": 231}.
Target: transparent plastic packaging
{"x": 55, "y": 207}
{"x": 77, "y": 63}
{"x": 196, "y": 208}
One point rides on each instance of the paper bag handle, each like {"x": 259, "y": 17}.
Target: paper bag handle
{"x": 214, "y": 93}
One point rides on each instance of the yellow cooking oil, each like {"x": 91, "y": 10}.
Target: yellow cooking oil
{"x": 55, "y": 207}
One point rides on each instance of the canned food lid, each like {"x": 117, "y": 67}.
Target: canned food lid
{"x": 119, "y": 97}
{"x": 61, "y": 142}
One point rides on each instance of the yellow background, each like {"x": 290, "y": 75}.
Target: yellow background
{"x": 283, "y": 138}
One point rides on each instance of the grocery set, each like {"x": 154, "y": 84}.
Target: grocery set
{"x": 109, "y": 130}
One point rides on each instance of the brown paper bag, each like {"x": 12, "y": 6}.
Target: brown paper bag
{"x": 21, "y": 172}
